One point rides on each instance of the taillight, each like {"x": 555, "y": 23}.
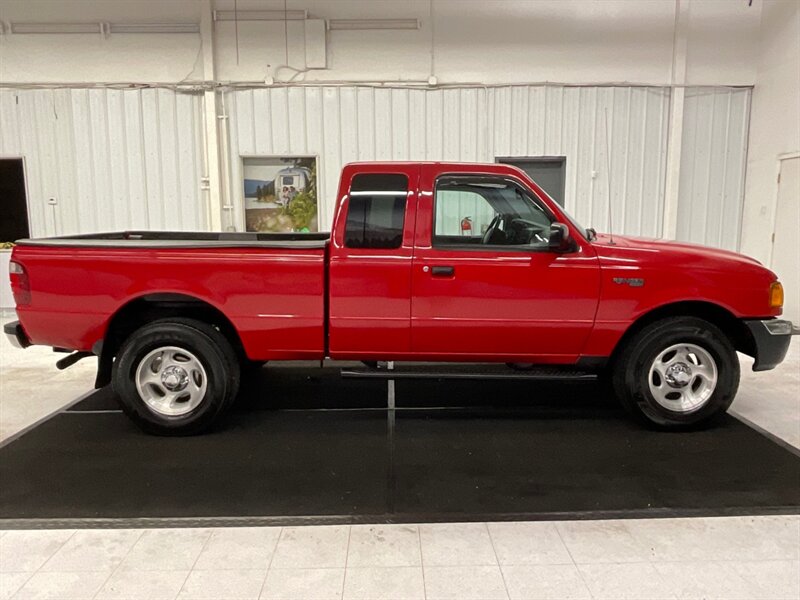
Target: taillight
{"x": 20, "y": 285}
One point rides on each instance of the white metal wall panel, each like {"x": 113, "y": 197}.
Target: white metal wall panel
{"x": 111, "y": 159}
{"x": 713, "y": 158}
{"x": 345, "y": 124}
{"x": 116, "y": 159}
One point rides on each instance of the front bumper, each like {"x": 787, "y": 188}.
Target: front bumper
{"x": 16, "y": 334}
{"x": 771, "y": 338}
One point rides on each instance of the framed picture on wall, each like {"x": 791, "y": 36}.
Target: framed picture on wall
{"x": 280, "y": 194}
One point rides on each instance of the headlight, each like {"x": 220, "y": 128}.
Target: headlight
{"x": 776, "y": 295}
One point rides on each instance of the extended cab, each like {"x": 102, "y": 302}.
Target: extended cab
{"x": 427, "y": 262}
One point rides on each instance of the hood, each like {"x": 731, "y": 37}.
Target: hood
{"x": 627, "y": 249}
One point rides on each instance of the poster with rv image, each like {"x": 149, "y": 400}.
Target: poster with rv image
{"x": 280, "y": 194}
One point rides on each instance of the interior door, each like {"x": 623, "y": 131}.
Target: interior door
{"x": 14, "y": 224}
{"x": 495, "y": 290}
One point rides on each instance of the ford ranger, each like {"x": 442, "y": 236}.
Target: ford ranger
{"x": 176, "y": 318}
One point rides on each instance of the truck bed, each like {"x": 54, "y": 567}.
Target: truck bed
{"x": 185, "y": 239}
{"x": 270, "y": 287}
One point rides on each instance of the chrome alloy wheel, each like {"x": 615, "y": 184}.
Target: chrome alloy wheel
{"x": 172, "y": 381}
{"x": 683, "y": 377}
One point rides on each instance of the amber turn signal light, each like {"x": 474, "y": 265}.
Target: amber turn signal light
{"x": 776, "y": 295}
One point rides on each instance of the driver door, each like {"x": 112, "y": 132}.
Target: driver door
{"x": 495, "y": 290}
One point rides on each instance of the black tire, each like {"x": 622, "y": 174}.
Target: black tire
{"x": 212, "y": 350}
{"x": 631, "y": 369}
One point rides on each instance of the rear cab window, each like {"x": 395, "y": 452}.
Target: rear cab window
{"x": 376, "y": 210}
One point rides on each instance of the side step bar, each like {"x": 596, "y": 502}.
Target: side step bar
{"x": 535, "y": 374}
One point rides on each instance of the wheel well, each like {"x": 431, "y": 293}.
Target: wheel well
{"x": 733, "y": 327}
{"x": 149, "y": 308}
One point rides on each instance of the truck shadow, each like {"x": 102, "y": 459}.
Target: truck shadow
{"x": 310, "y": 388}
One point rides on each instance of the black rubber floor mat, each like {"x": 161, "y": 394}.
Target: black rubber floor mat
{"x": 564, "y": 455}
{"x": 281, "y": 463}
{"x": 522, "y": 462}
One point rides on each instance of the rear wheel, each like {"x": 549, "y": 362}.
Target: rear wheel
{"x": 677, "y": 372}
{"x": 176, "y": 376}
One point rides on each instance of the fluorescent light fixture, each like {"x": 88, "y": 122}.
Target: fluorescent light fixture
{"x": 359, "y": 24}
{"x": 154, "y": 28}
{"x": 104, "y": 28}
{"x": 260, "y": 15}
{"x": 56, "y": 28}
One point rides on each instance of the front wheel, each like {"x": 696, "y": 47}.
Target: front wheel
{"x": 677, "y": 372}
{"x": 175, "y": 376}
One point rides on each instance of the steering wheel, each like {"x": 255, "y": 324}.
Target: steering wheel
{"x": 538, "y": 234}
{"x": 527, "y": 233}
{"x": 490, "y": 230}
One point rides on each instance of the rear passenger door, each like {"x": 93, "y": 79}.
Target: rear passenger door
{"x": 370, "y": 264}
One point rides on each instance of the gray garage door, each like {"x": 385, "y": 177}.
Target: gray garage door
{"x": 548, "y": 172}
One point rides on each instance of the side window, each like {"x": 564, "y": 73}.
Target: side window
{"x": 487, "y": 211}
{"x": 376, "y": 211}
{"x": 461, "y": 213}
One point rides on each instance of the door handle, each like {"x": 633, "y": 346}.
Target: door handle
{"x": 443, "y": 271}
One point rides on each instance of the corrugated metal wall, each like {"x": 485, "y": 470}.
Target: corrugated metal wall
{"x": 713, "y": 159}
{"x": 345, "y": 124}
{"x": 116, "y": 159}
{"x": 111, "y": 159}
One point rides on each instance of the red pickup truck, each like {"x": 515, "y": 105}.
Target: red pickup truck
{"x": 434, "y": 262}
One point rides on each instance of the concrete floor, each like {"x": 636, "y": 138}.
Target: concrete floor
{"x": 31, "y": 387}
{"x": 738, "y": 557}
{"x": 771, "y": 399}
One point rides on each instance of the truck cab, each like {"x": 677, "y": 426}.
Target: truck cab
{"x": 504, "y": 292}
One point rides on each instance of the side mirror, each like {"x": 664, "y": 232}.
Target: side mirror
{"x": 559, "y": 238}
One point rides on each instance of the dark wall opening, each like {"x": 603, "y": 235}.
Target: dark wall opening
{"x": 547, "y": 171}
{"x": 13, "y": 203}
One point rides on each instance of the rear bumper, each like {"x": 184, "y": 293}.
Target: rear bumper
{"x": 16, "y": 335}
{"x": 772, "y": 338}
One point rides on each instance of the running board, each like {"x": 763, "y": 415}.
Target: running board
{"x": 534, "y": 374}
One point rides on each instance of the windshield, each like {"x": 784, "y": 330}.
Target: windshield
{"x": 589, "y": 233}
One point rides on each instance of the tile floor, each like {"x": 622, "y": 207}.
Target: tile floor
{"x": 703, "y": 558}
{"x": 725, "y": 558}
